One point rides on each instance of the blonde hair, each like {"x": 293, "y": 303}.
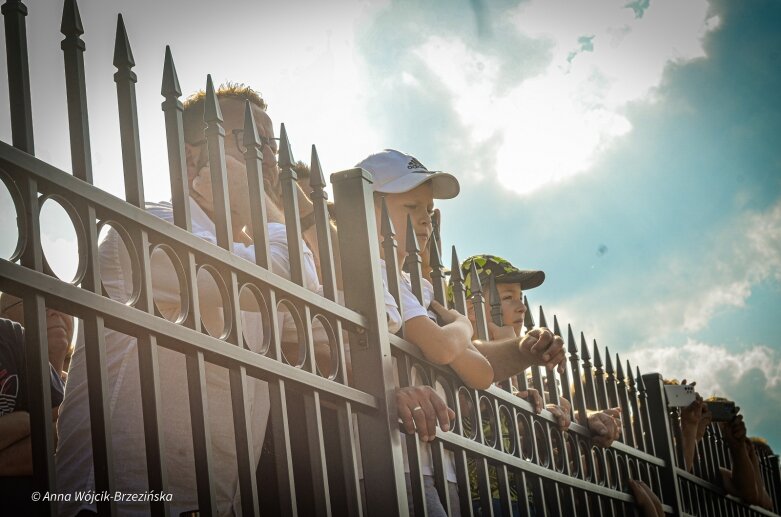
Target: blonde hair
{"x": 192, "y": 118}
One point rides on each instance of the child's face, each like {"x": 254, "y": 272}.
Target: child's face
{"x": 418, "y": 203}
{"x": 513, "y": 309}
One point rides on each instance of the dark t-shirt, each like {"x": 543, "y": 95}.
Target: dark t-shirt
{"x": 15, "y": 491}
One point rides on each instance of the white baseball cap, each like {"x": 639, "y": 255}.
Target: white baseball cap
{"x": 395, "y": 172}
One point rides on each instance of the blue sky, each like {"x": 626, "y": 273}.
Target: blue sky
{"x": 628, "y": 149}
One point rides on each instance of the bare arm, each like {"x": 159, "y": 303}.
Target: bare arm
{"x": 440, "y": 345}
{"x": 511, "y": 356}
{"x": 13, "y": 427}
{"x": 16, "y": 458}
{"x": 473, "y": 368}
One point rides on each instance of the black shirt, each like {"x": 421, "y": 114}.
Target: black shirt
{"x": 15, "y": 491}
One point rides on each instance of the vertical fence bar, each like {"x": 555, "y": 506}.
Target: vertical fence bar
{"x": 588, "y": 373}
{"x": 437, "y": 273}
{"x": 125, "y": 80}
{"x": 566, "y": 378}
{"x": 478, "y": 303}
{"x": 94, "y": 340}
{"x": 323, "y": 226}
{"x": 645, "y": 414}
{"x": 662, "y": 435}
{"x": 459, "y": 300}
{"x": 215, "y": 138}
{"x": 623, "y": 399}
{"x": 14, "y": 13}
{"x": 413, "y": 448}
{"x": 287, "y": 179}
{"x": 495, "y": 302}
{"x": 412, "y": 262}
{"x": 242, "y": 427}
{"x": 371, "y": 355}
{"x": 537, "y": 382}
{"x": 174, "y": 133}
{"x": 637, "y": 422}
{"x": 550, "y": 373}
{"x": 75, "y": 90}
{"x": 389, "y": 251}
{"x": 579, "y": 404}
{"x": 256, "y": 188}
{"x": 599, "y": 379}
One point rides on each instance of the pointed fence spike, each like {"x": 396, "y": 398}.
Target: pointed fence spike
{"x": 572, "y": 346}
{"x": 316, "y": 178}
{"x": 435, "y": 260}
{"x": 455, "y": 266}
{"x": 286, "y": 160}
{"x": 584, "y": 353}
{"x": 543, "y": 320}
{"x": 493, "y": 292}
{"x": 597, "y": 358}
{"x": 170, "y": 87}
{"x": 475, "y": 285}
{"x": 71, "y": 19}
{"x": 556, "y": 329}
{"x": 608, "y": 362}
{"x": 250, "y": 138}
{"x": 123, "y": 55}
{"x": 619, "y": 369}
{"x": 211, "y": 109}
{"x": 629, "y": 378}
{"x": 386, "y": 225}
{"x": 412, "y": 240}
{"x": 640, "y": 382}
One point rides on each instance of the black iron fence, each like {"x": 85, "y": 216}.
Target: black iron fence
{"x": 499, "y": 448}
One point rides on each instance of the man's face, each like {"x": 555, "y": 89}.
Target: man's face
{"x": 418, "y": 203}
{"x": 199, "y": 174}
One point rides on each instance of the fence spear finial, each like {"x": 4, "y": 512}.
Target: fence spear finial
{"x": 211, "y": 109}
{"x": 619, "y": 369}
{"x": 434, "y": 259}
{"x": 71, "y": 19}
{"x": 123, "y": 55}
{"x": 474, "y": 282}
{"x": 286, "y": 160}
{"x": 250, "y": 137}
{"x": 412, "y": 241}
{"x": 640, "y": 381}
{"x": 629, "y": 377}
{"x": 170, "y": 87}
{"x": 528, "y": 319}
{"x": 572, "y": 346}
{"x": 455, "y": 266}
{"x": 556, "y": 329}
{"x": 584, "y": 353}
{"x": 316, "y": 178}
{"x": 386, "y": 225}
{"x": 543, "y": 320}
{"x": 608, "y": 362}
{"x": 597, "y": 358}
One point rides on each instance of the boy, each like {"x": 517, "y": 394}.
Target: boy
{"x": 409, "y": 190}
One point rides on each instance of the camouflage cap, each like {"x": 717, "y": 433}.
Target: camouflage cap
{"x": 501, "y": 269}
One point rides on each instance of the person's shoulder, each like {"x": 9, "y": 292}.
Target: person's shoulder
{"x": 164, "y": 210}
{"x": 277, "y": 233}
{"x": 11, "y": 332}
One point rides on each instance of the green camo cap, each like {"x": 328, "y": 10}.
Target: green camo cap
{"x": 501, "y": 269}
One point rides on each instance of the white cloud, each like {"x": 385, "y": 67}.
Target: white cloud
{"x": 557, "y": 123}
{"x": 684, "y": 291}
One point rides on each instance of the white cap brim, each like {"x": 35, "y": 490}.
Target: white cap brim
{"x": 445, "y": 185}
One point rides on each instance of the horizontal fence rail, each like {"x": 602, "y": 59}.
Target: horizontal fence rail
{"x": 307, "y": 424}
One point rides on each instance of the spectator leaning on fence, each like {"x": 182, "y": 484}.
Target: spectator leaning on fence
{"x": 74, "y": 458}
{"x": 409, "y": 190}
{"x": 16, "y": 462}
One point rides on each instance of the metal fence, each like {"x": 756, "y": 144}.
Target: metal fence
{"x": 519, "y": 457}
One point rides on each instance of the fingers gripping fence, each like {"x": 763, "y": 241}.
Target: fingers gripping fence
{"x": 333, "y": 423}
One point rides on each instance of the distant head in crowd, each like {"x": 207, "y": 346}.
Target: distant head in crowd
{"x": 409, "y": 190}
{"x": 59, "y": 328}
{"x": 232, "y": 98}
{"x": 511, "y": 283}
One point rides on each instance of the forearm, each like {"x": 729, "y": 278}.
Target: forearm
{"x": 503, "y": 356}
{"x": 689, "y": 445}
{"x": 17, "y": 459}
{"x": 439, "y": 345}
{"x": 743, "y": 476}
{"x": 473, "y": 368}
{"x": 13, "y": 427}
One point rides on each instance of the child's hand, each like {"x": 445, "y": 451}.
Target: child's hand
{"x": 605, "y": 427}
{"x": 544, "y": 349}
{"x": 533, "y": 397}
{"x": 448, "y": 316}
{"x": 647, "y": 502}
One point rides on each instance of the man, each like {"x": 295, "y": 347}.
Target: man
{"x": 16, "y": 464}
{"x": 74, "y": 458}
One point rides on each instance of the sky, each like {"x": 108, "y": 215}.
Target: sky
{"x": 629, "y": 149}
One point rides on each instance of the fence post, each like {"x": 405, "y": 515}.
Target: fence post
{"x": 372, "y": 365}
{"x": 663, "y": 440}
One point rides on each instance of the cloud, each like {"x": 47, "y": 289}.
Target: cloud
{"x": 556, "y": 121}
{"x": 684, "y": 291}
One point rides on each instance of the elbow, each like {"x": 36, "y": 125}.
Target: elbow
{"x": 440, "y": 356}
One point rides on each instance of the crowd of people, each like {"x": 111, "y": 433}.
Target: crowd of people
{"x": 404, "y": 193}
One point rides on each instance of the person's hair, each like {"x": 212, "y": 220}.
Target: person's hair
{"x": 668, "y": 382}
{"x": 302, "y": 170}
{"x": 714, "y": 398}
{"x": 761, "y": 446}
{"x": 192, "y": 117}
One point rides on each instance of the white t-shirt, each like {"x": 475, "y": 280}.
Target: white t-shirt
{"x": 74, "y": 453}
